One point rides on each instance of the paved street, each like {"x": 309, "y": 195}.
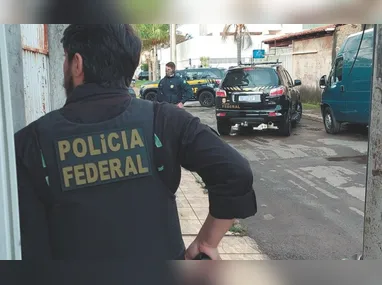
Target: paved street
{"x": 310, "y": 189}
{"x": 192, "y": 204}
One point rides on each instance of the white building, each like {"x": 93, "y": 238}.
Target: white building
{"x": 207, "y": 42}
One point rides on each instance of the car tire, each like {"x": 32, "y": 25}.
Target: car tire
{"x": 224, "y": 128}
{"x": 298, "y": 115}
{"x": 151, "y": 96}
{"x": 206, "y": 99}
{"x": 331, "y": 125}
{"x": 286, "y": 125}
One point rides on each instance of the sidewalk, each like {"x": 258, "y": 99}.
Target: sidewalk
{"x": 193, "y": 209}
{"x": 312, "y": 114}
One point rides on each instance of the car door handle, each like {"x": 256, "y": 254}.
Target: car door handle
{"x": 342, "y": 88}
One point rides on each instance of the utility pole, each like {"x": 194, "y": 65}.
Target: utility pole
{"x": 173, "y": 42}
{"x": 372, "y": 241}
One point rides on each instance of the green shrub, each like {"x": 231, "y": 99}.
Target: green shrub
{"x": 310, "y": 94}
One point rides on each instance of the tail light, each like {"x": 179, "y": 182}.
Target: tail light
{"x": 221, "y": 114}
{"x": 277, "y": 91}
{"x": 221, "y": 93}
{"x": 272, "y": 114}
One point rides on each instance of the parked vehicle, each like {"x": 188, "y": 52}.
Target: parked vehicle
{"x": 143, "y": 75}
{"x": 260, "y": 96}
{"x": 347, "y": 90}
{"x": 202, "y": 80}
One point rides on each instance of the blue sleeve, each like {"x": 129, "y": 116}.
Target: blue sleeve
{"x": 187, "y": 93}
{"x": 160, "y": 95}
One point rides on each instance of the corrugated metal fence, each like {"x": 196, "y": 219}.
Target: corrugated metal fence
{"x": 36, "y": 70}
{"x": 284, "y": 55}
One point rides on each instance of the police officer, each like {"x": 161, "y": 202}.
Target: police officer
{"x": 173, "y": 88}
{"x": 97, "y": 178}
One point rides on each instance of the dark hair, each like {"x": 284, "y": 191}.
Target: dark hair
{"x": 111, "y": 53}
{"x": 171, "y": 65}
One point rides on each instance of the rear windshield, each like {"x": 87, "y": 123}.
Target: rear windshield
{"x": 251, "y": 77}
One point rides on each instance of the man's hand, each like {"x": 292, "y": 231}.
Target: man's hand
{"x": 180, "y": 105}
{"x": 197, "y": 247}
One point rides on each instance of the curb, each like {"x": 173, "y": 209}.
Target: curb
{"x": 313, "y": 117}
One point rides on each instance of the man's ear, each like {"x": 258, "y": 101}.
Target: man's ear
{"x": 77, "y": 65}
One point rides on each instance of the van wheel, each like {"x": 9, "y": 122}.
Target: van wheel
{"x": 151, "y": 96}
{"x": 206, "y": 99}
{"x": 224, "y": 128}
{"x": 331, "y": 124}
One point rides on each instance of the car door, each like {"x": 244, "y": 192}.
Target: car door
{"x": 285, "y": 81}
{"x": 292, "y": 90}
{"x": 192, "y": 79}
{"x": 336, "y": 96}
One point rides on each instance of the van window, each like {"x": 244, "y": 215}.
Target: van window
{"x": 352, "y": 44}
{"x": 367, "y": 41}
{"x": 338, "y": 71}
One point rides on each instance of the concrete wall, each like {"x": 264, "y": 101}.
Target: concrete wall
{"x": 312, "y": 59}
{"x": 15, "y": 62}
{"x": 56, "y": 60}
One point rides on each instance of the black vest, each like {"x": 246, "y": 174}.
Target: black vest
{"x": 106, "y": 198}
{"x": 171, "y": 91}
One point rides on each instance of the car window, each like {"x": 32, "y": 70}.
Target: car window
{"x": 191, "y": 74}
{"x": 205, "y": 74}
{"x": 284, "y": 77}
{"x": 290, "y": 80}
{"x": 251, "y": 77}
{"x": 217, "y": 73}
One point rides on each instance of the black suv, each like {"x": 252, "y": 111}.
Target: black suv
{"x": 260, "y": 96}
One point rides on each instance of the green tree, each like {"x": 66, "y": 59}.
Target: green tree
{"x": 241, "y": 37}
{"x": 153, "y": 35}
{"x": 145, "y": 67}
{"x": 205, "y": 61}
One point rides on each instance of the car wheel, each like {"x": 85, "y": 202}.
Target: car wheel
{"x": 286, "y": 126}
{"x": 206, "y": 99}
{"x": 298, "y": 114}
{"x": 151, "y": 96}
{"x": 224, "y": 128}
{"x": 331, "y": 124}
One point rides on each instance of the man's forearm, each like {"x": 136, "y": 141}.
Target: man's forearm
{"x": 213, "y": 231}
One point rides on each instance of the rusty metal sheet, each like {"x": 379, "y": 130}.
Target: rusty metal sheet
{"x": 34, "y": 37}
{"x": 36, "y": 71}
{"x": 36, "y": 85}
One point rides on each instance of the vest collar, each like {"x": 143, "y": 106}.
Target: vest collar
{"x": 90, "y": 90}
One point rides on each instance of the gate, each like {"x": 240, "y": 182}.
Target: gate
{"x": 284, "y": 55}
